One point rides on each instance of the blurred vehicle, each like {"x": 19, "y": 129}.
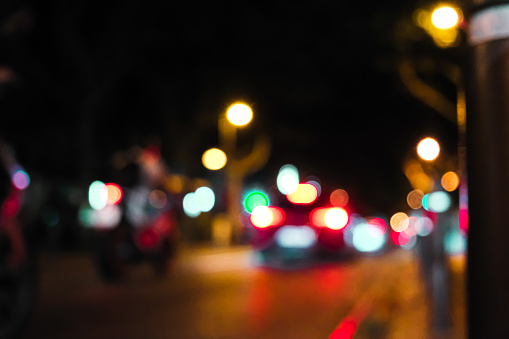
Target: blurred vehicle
{"x": 300, "y": 226}
{"x": 133, "y": 220}
{"x": 18, "y": 274}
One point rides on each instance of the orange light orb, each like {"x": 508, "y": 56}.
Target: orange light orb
{"x": 450, "y": 181}
{"x": 114, "y": 194}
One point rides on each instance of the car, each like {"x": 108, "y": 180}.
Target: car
{"x": 303, "y": 226}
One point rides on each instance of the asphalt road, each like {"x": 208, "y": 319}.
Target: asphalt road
{"x": 218, "y": 293}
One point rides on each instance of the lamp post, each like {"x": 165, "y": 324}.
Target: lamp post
{"x": 237, "y": 115}
{"x": 432, "y": 249}
{"x": 236, "y": 168}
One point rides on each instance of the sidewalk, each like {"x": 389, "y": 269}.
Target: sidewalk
{"x": 399, "y": 307}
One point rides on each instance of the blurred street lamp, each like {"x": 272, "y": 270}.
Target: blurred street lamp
{"x": 442, "y": 24}
{"x": 239, "y": 114}
{"x": 444, "y": 17}
{"x": 214, "y": 159}
{"x": 237, "y": 168}
{"x": 428, "y": 149}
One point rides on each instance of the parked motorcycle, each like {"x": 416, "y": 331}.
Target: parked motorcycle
{"x": 132, "y": 225}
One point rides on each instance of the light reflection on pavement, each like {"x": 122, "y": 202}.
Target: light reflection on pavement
{"x": 217, "y": 293}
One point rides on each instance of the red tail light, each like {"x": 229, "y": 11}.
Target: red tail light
{"x": 334, "y": 218}
{"x": 263, "y": 216}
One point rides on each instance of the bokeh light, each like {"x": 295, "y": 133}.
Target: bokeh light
{"x": 266, "y": 216}
{"x": 317, "y": 217}
{"x": 278, "y": 215}
{"x": 450, "y": 181}
{"x": 97, "y": 195}
{"x": 437, "y": 202}
{"x": 261, "y": 216}
{"x": 239, "y": 114}
{"x": 191, "y": 208}
{"x": 414, "y": 225}
{"x": 399, "y": 221}
{"x": 105, "y": 218}
{"x": 255, "y": 199}
{"x": 214, "y": 159}
{"x": 428, "y": 149}
{"x": 204, "y": 198}
{"x": 295, "y": 237}
{"x": 397, "y": 239}
{"x": 157, "y": 199}
{"x": 378, "y": 226}
{"x": 426, "y": 226}
{"x": 20, "y": 179}
{"x": 442, "y": 25}
{"x": 114, "y": 194}
{"x": 414, "y": 199}
{"x": 336, "y": 218}
{"x": 339, "y": 198}
{"x": 463, "y": 219}
{"x": 454, "y": 242}
{"x": 305, "y": 194}
{"x": 365, "y": 240}
{"x": 174, "y": 183}
{"x": 407, "y": 243}
{"x": 316, "y": 184}
{"x": 444, "y": 17}
{"x": 288, "y": 179}
{"x": 403, "y": 240}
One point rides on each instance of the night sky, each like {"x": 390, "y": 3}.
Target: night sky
{"x": 88, "y": 79}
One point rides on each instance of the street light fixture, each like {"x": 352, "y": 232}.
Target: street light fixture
{"x": 428, "y": 149}
{"x": 442, "y": 24}
{"x": 239, "y": 114}
{"x": 236, "y": 168}
{"x": 444, "y": 17}
{"x": 214, "y": 159}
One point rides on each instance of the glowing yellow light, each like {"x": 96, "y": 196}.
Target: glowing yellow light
{"x": 444, "y": 17}
{"x": 214, "y": 159}
{"x": 414, "y": 199}
{"x": 399, "y": 222}
{"x": 262, "y": 216}
{"x": 174, "y": 184}
{"x": 336, "y": 218}
{"x": 239, "y": 114}
{"x": 305, "y": 194}
{"x": 339, "y": 198}
{"x": 450, "y": 181}
{"x": 428, "y": 149}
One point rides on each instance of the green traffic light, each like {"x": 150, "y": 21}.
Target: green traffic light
{"x": 255, "y": 199}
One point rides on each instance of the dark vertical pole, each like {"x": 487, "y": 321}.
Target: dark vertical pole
{"x": 488, "y": 170}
